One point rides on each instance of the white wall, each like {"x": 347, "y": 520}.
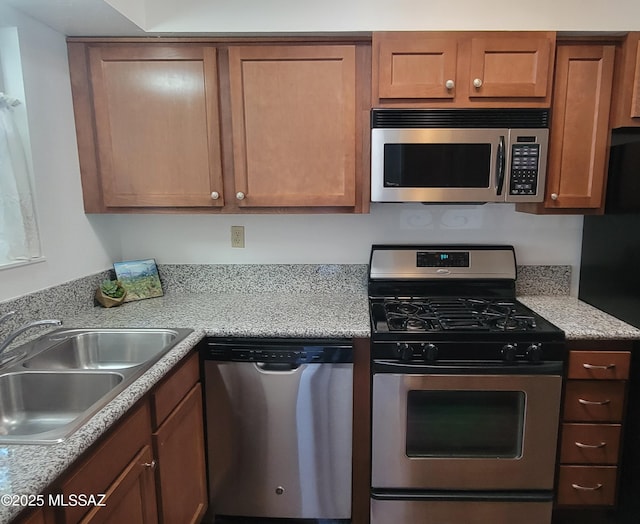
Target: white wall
{"x": 73, "y": 245}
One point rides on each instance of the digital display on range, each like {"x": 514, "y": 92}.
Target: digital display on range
{"x": 443, "y": 259}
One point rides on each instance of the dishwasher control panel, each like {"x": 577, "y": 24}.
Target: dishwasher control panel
{"x": 290, "y": 351}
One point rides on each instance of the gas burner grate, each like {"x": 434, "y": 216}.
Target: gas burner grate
{"x": 455, "y": 314}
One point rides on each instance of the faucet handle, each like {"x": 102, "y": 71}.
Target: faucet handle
{"x": 6, "y": 316}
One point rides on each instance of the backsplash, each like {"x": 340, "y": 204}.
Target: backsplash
{"x": 543, "y": 280}
{"x": 61, "y": 301}
{"x": 263, "y": 278}
{"x": 71, "y": 298}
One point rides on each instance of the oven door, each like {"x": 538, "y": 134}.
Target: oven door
{"x": 465, "y": 431}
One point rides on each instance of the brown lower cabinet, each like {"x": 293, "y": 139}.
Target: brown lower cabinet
{"x": 179, "y": 445}
{"x": 150, "y": 467}
{"x": 592, "y": 424}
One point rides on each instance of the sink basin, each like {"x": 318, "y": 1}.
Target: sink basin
{"x": 47, "y": 406}
{"x": 71, "y": 374}
{"x": 102, "y": 349}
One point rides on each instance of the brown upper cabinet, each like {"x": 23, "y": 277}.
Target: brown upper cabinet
{"x": 293, "y": 112}
{"x": 626, "y": 100}
{"x": 192, "y": 126}
{"x": 462, "y": 69}
{"x": 579, "y": 134}
{"x": 147, "y": 125}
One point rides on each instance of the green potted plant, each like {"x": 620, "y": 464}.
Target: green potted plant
{"x": 110, "y": 293}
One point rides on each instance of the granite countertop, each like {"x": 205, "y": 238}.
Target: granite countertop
{"x": 30, "y": 469}
{"x": 578, "y": 319}
{"x": 340, "y": 315}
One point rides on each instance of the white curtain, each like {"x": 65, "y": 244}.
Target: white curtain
{"x": 19, "y": 239}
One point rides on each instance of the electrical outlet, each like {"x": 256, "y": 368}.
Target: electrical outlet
{"x": 237, "y": 236}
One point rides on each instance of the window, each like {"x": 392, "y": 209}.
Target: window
{"x": 19, "y": 238}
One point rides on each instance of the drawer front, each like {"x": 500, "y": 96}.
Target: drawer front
{"x": 590, "y": 443}
{"x": 607, "y": 365}
{"x": 587, "y": 485}
{"x": 594, "y": 400}
{"x": 173, "y": 389}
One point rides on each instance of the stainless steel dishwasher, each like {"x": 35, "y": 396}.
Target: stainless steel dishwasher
{"x": 279, "y": 428}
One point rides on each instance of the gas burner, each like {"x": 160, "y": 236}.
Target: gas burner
{"x": 402, "y": 315}
{"x": 455, "y": 314}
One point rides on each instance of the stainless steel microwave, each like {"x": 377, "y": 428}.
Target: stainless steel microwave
{"x": 458, "y": 155}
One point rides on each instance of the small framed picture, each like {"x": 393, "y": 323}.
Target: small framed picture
{"x": 140, "y": 278}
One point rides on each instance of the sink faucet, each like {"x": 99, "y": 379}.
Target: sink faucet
{"x": 4, "y": 343}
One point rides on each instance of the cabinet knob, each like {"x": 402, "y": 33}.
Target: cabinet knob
{"x": 240, "y": 195}
{"x": 449, "y": 84}
{"x": 554, "y": 196}
{"x": 151, "y": 465}
{"x": 215, "y": 195}
{"x": 477, "y": 83}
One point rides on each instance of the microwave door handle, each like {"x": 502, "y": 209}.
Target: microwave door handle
{"x": 500, "y": 166}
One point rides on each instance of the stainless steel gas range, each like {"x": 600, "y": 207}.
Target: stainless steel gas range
{"x": 466, "y": 387}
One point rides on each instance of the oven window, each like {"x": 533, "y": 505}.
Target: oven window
{"x": 437, "y": 165}
{"x": 465, "y": 424}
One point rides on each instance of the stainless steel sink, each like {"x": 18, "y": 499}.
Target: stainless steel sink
{"x": 44, "y": 406}
{"x": 102, "y": 349}
{"x": 69, "y": 375}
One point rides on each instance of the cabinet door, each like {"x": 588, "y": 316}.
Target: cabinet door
{"x": 580, "y": 126}
{"x": 131, "y": 498}
{"x": 415, "y": 65}
{"x": 179, "y": 445}
{"x": 293, "y": 125}
{"x": 156, "y": 125}
{"x": 626, "y": 99}
{"x": 511, "y": 66}
{"x": 105, "y": 464}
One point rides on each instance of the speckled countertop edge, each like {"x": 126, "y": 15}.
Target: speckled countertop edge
{"x": 580, "y": 320}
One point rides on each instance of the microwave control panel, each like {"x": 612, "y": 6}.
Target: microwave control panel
{"x": 524, "y": 169}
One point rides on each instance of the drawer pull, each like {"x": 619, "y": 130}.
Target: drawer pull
{"x": 592, "y": 366}
{"x": 594, "y": 402}
{"x": 590, "y": 446}
{"x": 586, "y": 488}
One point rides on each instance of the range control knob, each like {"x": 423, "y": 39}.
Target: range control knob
{"x": 534, "y": 352}
{"x": 430, "y": 351}
{"x": 508, "y": 352}
{"x": 404, "y": 351}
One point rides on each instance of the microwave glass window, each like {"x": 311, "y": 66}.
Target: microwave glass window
{"x": 437, "y": 165}
{"x": 473, "y": 424}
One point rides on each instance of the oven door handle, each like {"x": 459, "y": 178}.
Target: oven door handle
{"x": 468, "y": 368}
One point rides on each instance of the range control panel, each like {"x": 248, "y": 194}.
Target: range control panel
{"x": 524, "y": 169}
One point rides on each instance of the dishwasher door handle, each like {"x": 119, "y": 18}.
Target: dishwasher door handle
{"x": 277, "y": 367}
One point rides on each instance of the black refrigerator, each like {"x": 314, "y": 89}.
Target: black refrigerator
{"x": 610, "y": 263}
{"x": 610, "y": 281}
